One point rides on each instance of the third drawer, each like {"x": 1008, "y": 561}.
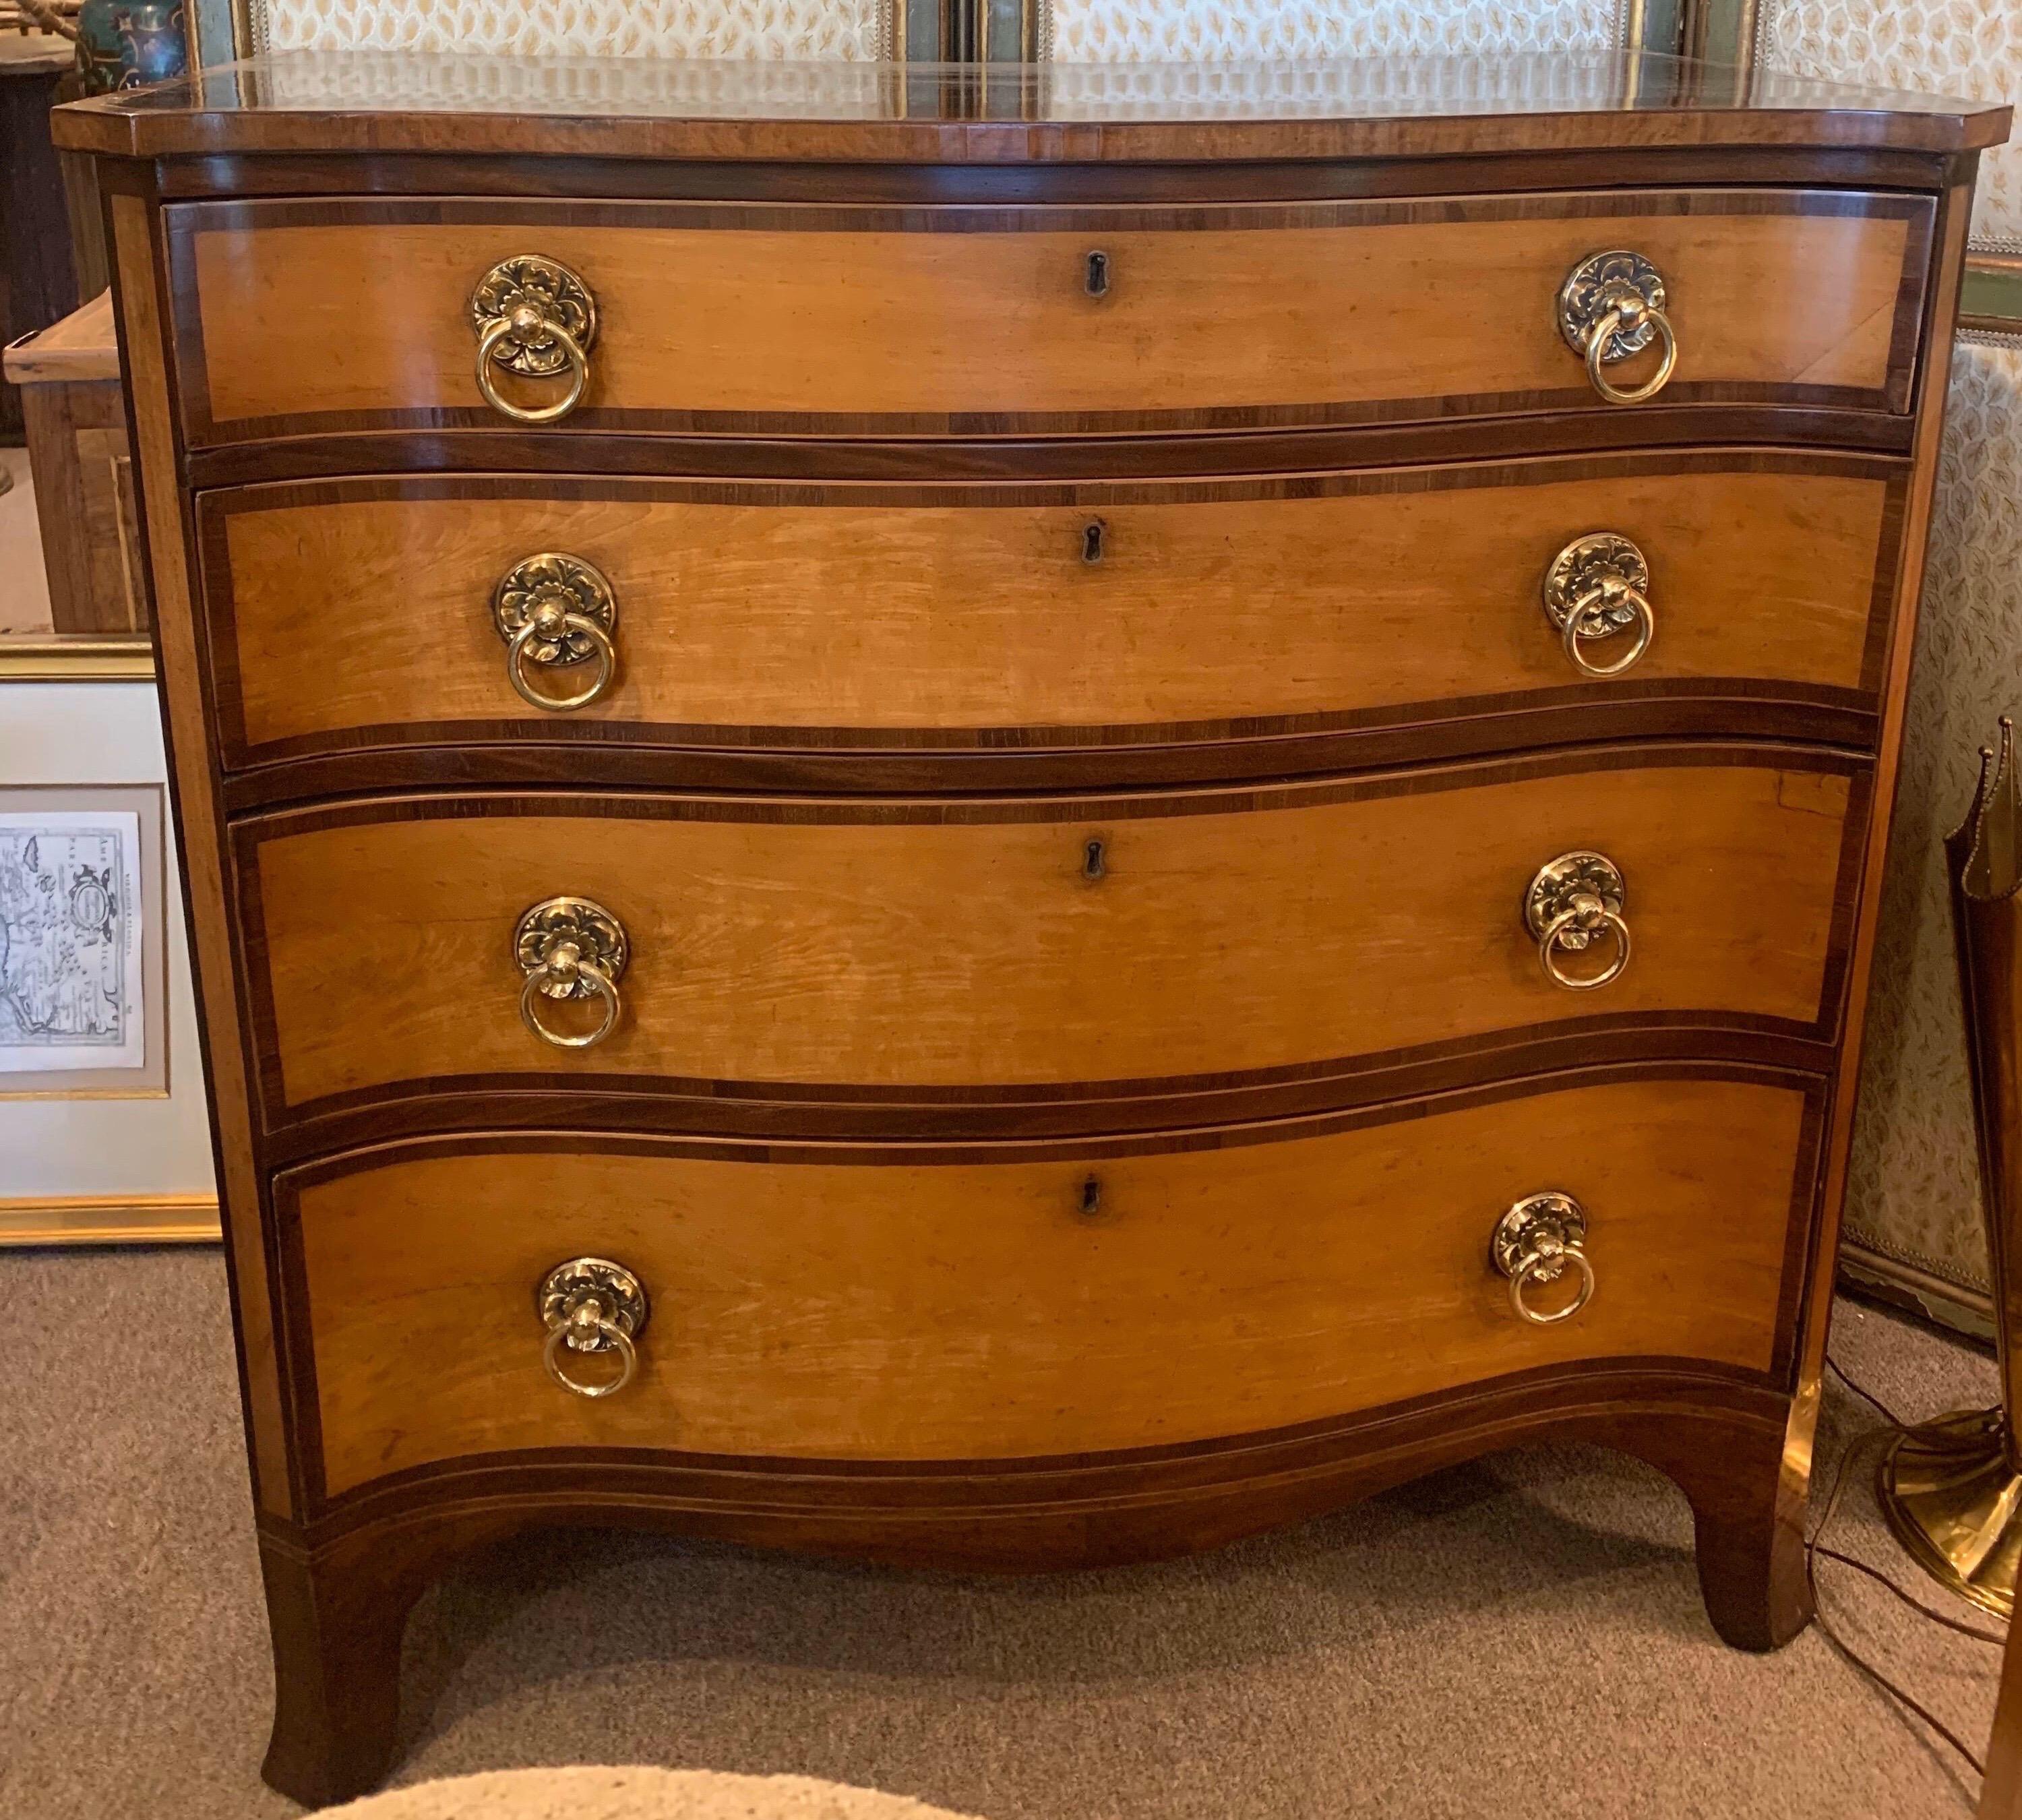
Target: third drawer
{"x": 994, "y": 949}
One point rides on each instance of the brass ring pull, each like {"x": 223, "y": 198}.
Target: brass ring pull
{"x": 1544, "y": 1263}
{"x": 569, "y": 947}
{"x": 570, "y": 623}
{"x": 589, "y": 1321}
{"x": 1573, "y": 903}
{"x": 1586, "y": 916}
{"x": 1597, "y": 588}
{"x": 590, "y": 1305}
{"x": 1586, "y": 608}
{"x": 1537, "y": 1242}
{"x": 1629, "y": 315}
{"x": 555, "y": 611}
{"x": 495, "y": 334}
{"x": 1610, "y": 306}
{"x": 535, "y": 317}
{"x": 566, "y": 968}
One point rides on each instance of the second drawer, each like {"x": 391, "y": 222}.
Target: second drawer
{"x": 378, "y": 613}
{"x": 947, "y": 946}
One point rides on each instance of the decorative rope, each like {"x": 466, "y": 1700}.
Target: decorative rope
{"x": 47, "y": 15}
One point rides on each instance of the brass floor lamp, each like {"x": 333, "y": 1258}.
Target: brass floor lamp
{"x": 1951, "y": 1488}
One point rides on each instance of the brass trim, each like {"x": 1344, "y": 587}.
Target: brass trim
{"x": 1990, "y": 296}
{"x": 1649, "y": 25}
{"x": 76, "y": 657}
{"x": 1729, "y": 32}
{"x": 1951, "y": 1488}
{"x": 1868, "y": 1270}
{"x": 119, "y": 1219}
{"x": 1952, "y": 1497}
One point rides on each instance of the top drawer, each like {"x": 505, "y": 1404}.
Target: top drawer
{"x": 296, "y": 317}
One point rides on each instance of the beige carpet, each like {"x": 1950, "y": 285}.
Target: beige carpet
{"x": 583, "y": 1792}
{"x": 1522, "y": 1637}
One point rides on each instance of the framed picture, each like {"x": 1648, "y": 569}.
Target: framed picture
{"x": 81, "y": 942}
{"x": 103, "y": 1132}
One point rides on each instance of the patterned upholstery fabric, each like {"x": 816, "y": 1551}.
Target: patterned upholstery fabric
{"x": 851, "y": 30}
{"x": 1190, "y": 31}
{"x": 1914, "y": 1192}
{"x": 1072, "y": 30}
{"x": 1971, "y": 48}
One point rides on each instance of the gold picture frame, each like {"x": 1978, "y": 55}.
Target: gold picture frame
{"x": 86, "y": 1166}
{"x": 75, "y": 657}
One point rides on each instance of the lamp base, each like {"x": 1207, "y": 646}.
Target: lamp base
{"x": 1955, "y": 1500}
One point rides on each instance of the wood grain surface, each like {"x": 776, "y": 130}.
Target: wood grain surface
{"x": 824, "y": 1309}
{"x": 1001, "y": 1209}
{"x": 1587, "y": 111}
{"x": 939, "y": 945}
{"x": 362, "y": 609}
{"x": 201, "y": 848}
{"x": 344, "y": 315}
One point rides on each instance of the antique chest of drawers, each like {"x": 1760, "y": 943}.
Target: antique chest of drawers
{"x": 1019, "y": 825}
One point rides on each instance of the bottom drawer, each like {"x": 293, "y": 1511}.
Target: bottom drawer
{"x": 833, "y": 1302}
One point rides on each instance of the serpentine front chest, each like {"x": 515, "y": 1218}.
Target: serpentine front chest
{"x": 1026, "y": 825}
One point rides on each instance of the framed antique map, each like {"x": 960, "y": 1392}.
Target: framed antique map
{"x": 74, "y": 907}
{"x": 104, "y": 1134}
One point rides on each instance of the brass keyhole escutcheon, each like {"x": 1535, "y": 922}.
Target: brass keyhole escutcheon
{"x": 1597, "y": 590}
{"x": 1092, "y": 535}
{"x": 588, "y": 1307}
{"x": 1573, "y": 905}
{"x": 1096, "y": 275}
{"x": 555, "y": 611}
{"x": 1537, "y": 1242}
{"x": 1610, "y": 307}
{"x": 1095, "y": 858}
{"x": 536, "y": 318}
{"x": 570, "y": 949}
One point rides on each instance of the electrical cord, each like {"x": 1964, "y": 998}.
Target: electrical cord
{"x": 1814, "y": 1549}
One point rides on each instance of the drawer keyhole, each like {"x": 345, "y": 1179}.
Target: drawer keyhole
{"x": 1098, "y": 275}
{"x": 1094, "y": 861}
{"x": 1091, "y": 1196}
{"x": 1091, "y": 540}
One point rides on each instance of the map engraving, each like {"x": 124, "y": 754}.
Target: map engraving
{"x": 70, "y": 941}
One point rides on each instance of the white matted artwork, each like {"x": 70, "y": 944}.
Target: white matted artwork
{"x": 103, "y": 1130}
{"x": 76, "y": 895}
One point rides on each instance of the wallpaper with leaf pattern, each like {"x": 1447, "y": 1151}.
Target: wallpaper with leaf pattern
{"x": 1076, "y": 31}
{"x": 1914, "y": 1193}
{"x": 1119, "y": 30}
{"x": 1968, "y": 48}
{"x": 850, "y": 29}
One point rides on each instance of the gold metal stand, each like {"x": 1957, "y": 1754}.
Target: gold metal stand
{"x": 1952, "y": 1495}
{"x": 1952, "y": 1489}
